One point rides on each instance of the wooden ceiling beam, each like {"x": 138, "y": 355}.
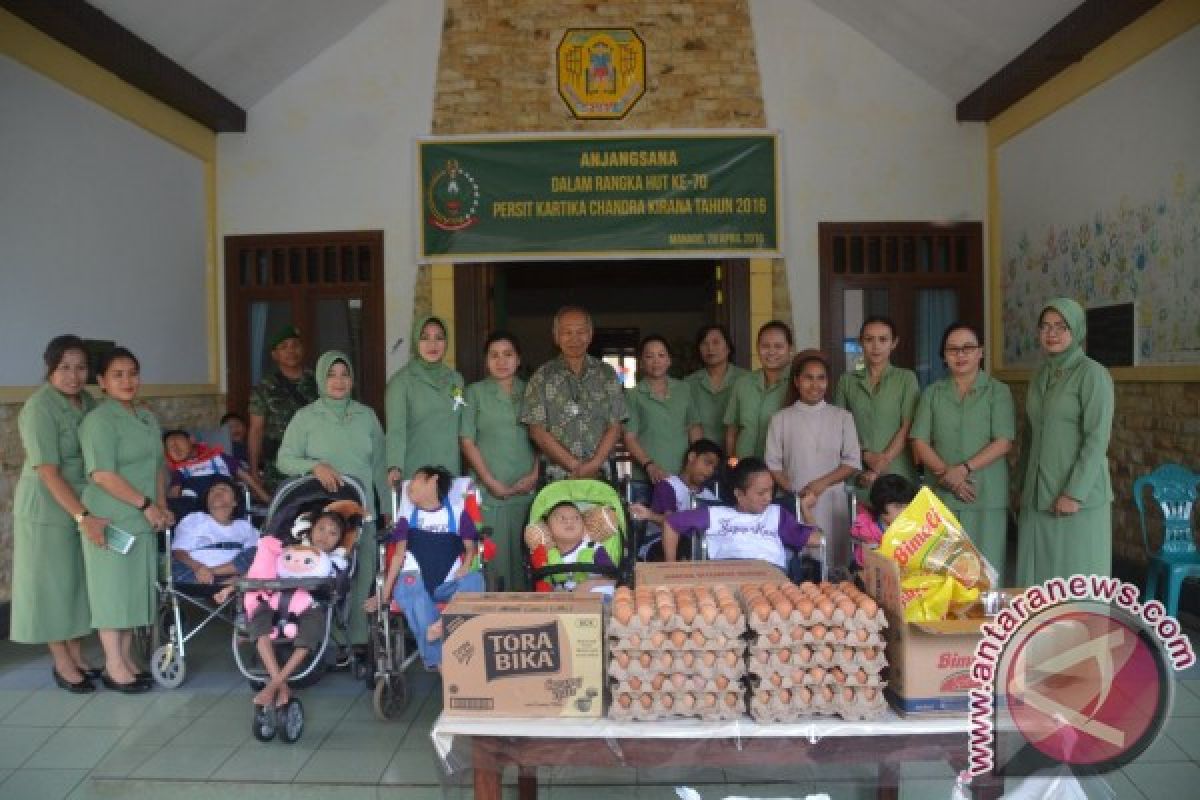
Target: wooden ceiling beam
{"x": 99, "y": 38}
{"x": 1066, "y": 43}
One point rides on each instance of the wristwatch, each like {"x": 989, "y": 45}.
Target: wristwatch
{"x": 79, "y": 517}
{"x": 146, "y": 503}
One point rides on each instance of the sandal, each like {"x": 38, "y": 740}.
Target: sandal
{"x": 265, "y": 723}
{"x": 292, "y": 721}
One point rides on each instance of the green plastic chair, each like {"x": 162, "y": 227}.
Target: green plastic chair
{"x": 1174, "y": 490}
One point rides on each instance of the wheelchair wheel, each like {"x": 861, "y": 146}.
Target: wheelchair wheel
{"x": 390, "y": 697}
{"x": 167, "y": 667}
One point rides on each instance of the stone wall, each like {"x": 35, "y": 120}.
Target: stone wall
{"x": 1154, "y": 423}
{"x": 200, "y": 411}
{"x": 496, "y": 73}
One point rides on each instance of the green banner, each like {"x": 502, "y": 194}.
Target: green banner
{"x": 649, "y": 195}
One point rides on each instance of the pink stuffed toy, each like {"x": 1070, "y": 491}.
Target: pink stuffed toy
{"x": 272, "y": 561}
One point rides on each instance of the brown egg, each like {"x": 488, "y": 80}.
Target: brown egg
{"x": 689, "y": 659}
{"x": 732, "y": 613}
{"x": 861, "y": 676}
{"x": 698, "y": 638}
{"x": 731, "y": 658}
{"x": 862, "y": 634}
{"x": 784, "y": 607}
{"x": 785, "y": 696}
{"x": 816, "y": 674}
{"x": 646, "y": 660}
{"x": 848, "y": 694}
{"x": 818, "y": 632}
{"x": 732, "y": 699}
{"x": 622, "y": 612}
{"x": 678, "y": 638}
{"x": 869, "y": 653}
{"x": 645, "y": 613}
{"x": 665, "y": 612}
{"x": 647, "y": 701}
{"x": 803, "y": 695}
{"x": 687, "y": 612}
{"x": 848, "y": 607}
{"x": 678, "y": 679}
{"x": 666, "y": 701}
{"x": 807, "y": 586}
{"x": 710, "y": 700}
{"x": 762, "y": 656}
{"x": 838, "y": 675}
{"x": 846, "y": 654}
{"x": 785, "y": 655}
{"x": 826, "y": 693}
{"x": 658, "y": 681}
{"x": 635, "y": 641}
{"x": 839, "y": 633}
{"x": 826, "y": 608}
{"x": 622, "y": 593}
{"x": 666, "y": 660}
{"x": 657, "y": 638}
{"x": 762, "y": 696}
{"x": 805, "y": 607}
{"x": 688, "y": 701}
{"x": 622, "y": 659}
{"x": 624, "y": 700}
{"x": 776, "y": 679}
{"x": 797, "y": 675}
{"x": 721, "y": 681}
{"x": 709, "y": 658}
{"x": 774, "y": 636}
{"x": 868, "y": 606}
{"x": 635, "y": 682}
{"x": 709, "y": 613}
{"x": 826, "y": 653}
{"x": 804, "y": 654}
{"x": 761, "y": 610}
{"x": 870, "y": 693}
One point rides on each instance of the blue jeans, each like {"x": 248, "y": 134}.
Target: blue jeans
{"x": 421, "y": 611}
{"x": 182, "y": 573}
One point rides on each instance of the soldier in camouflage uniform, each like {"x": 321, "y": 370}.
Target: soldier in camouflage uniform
{"x": 275, "y": 401}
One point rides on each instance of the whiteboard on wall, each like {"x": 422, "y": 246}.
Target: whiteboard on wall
{"x": 1100, "y": 201}
{"x": 102, "y": 234}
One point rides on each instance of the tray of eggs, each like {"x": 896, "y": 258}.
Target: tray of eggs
{"x": 814, "y": 649}
{"x": 677, "y": 651}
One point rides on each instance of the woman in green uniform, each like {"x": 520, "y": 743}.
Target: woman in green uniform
{"x": 49, "y": 595}
{"x": 882, "y": 399}
{"x": 1066, "y": 495}
{"x": 496, "y": 447}
{"x": 962, "y": 432}
{"x": 423, "y": 402}
{"x": 662, "y": 419}
{"x": 757, "y": 395}
{"x": 127, "y": 482}
{"x": 713, "y": 383}
{"x": 335, "y": 436}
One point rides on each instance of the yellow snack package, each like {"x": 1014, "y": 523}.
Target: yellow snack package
{"x": 932, "y": 597}
{"x": 927, "y": 538}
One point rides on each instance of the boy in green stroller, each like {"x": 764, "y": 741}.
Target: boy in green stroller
{"x": 577, "y": 530}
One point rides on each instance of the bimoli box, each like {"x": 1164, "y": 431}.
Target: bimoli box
{"x": 518, "y": 654}
{"x": 730, "y": 572}
{"x": 929, "y": 663}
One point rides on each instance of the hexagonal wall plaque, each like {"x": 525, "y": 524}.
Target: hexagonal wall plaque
{"x": 601, "y": 71}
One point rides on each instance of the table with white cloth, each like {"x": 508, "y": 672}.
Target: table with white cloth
{"x": 526, "y": 744}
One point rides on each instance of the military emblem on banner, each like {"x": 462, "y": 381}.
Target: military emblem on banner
{"x": 452, "y": 198}
{"x": 601, "y": 71}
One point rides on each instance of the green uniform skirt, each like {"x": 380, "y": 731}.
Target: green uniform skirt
{"x": 121, "y": 588}
{"x": 49, "y": 594}
{"x": 1051, "y": 547}
{"x": 506, "y": 571}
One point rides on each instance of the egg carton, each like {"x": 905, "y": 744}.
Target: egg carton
{"x": 786, "y": 705}
{"x": 861, "y": 708}
{"x": 656, "y": 624}
{"x": 820, "y": 656}
{"x": 789, "y": 637}
{"x": 677, "y": 641}
{"x": 733, "y": 671}
{"x": 668, "y": 660}
{"x": 678, "y": 682}
{"x": 669, "y": 705}
{"x": 776, "y": 621}
{"x": 818, "y": 676}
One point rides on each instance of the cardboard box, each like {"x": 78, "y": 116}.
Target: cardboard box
{"x": 929, "y": 663}
{"x": 729, "y": 572}
{"x": 517, "y": 654}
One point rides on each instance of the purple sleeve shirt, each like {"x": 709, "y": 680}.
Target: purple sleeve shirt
{"x": 792, "y": 532}
{"x": 686, "y": 523}
{"x": 663, "y": 500}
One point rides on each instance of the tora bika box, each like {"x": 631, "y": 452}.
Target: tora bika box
{"x": 516, "y": 654}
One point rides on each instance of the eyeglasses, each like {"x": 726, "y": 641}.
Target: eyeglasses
{"x": 1053, "y": 327}
{"x": 965, "y": 350}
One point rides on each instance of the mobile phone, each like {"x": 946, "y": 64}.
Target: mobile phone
{"x": 119, "y": 540}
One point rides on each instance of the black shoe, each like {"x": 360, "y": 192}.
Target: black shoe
{"x": 264, "y": 723}
{"x": 93, "y": 673}
{"x": 133, "y": 687}
{"x": 81, "y": 686}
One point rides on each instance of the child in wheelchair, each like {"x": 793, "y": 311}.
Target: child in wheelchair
{"x": 434, "y": 545}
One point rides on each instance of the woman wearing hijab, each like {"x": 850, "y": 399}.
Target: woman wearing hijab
{"x": 423, "y": 404}
{"x": 337, "y": 436}
{"x": 1066, "y": 497}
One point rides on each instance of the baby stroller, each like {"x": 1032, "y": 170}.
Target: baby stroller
{"x": 388, "y": 653}
{"x": 166, "y": 640}
{"x": 585, "y": 494}
{"x": 329, "y": 594}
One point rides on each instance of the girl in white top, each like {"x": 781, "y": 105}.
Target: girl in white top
{"x": 812, "y": 448}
